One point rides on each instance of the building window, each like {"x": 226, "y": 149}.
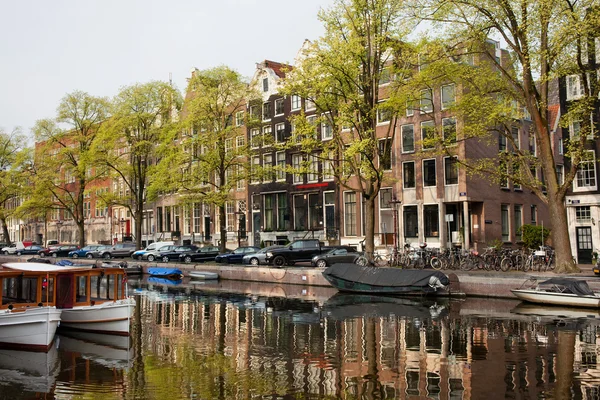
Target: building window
{"x": 428, "y": 134}
{"x": 267, "y": 138}
{"x": 265, "y": 83}
{"x": 560, "y": 174}
{"x": 313, "y": 165}
{"x": 410, "y": 108}
{"x": 586, "y": 173}
{"x": 309, "y": 105}
{"x": 408, "y": 173}
{"x": 268, "y": 173}
{"x": 384, "y": 114}
{"x": 255, "y": 171}
{"x": 449, "y": 130}
{"x": 280, "y": 165}
{"x": 385, "y": 199}
{"x": 411, "y": 222}
{"x": 385, "y": 76}
{"x": 408, "y": 138}
{"x": 230, "y": 210}
{"x": 426, "y": 101}
{"x": 296, "y": 165}
{"x": 300, "y": 212}
{"x": 240, "y": 141}
{"x": 505, "y": 223}
{"x": 451, "y": 170}
{"x": 518, "y": 222}
{"x": 350, "y": 213}
{"x": 197, "y": 218}
{"x": 429, "y": 178}
{"x": 431, "y": 219}
{"x": 255, "y": 111}
{"x": 282, "y": 213}
{"x": 266, "y": 111}
{"x": 315, "y": 211}
{"x": 228, "y": 145}
{"x": 326, "y": 130}
{"x": 583, "y": 214}
{"x": 279, "y": 107}
{"x": 269, "y": 211}
{"x": 328, "y": 170}
{"x": 533, "y": 214}
{"x": 560, "y": 146}
{"x": 280, "y": 132}
{"x": 574, "y": 87}
{"x": 516, "y": 173}
{"x": 515, "y": 137}
{"x": 501, "y": 142}
{"x": 448, "y": 96}
{"x": 255, "y": 138}
{"x": 239, "y": 118}
{"x": 385, "y": 153}
{"x": 295, "y": 102}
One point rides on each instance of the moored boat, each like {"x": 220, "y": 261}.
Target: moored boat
{"x": 203, "y": 275}
{"x": 169, "y": 273}
{"x": 28, "y": 315}
{"x": 558, "y": 291}
{"x": 378, "y": 280}
{"x": 91, "y": 299}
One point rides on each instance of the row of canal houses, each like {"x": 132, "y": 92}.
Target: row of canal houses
{"x": 431, "y": 199}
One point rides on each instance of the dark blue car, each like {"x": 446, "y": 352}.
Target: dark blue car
{"x": 85, "y": 252}
{"x": 236, "y": 256}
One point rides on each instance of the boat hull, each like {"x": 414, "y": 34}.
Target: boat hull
{"x": 32, "y": 329}
{"x": 554, "y": 298}
{"x": 112, "y": 318}
{"x": 203, "y": 275}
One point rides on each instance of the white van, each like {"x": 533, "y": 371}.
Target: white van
{"x": 12, "y": 249}
{"x": 152, "y": 246}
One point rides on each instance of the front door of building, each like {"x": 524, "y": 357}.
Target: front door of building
{"x": 584, "y": 244}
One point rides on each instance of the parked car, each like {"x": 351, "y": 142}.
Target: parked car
{"x": 33, "y": 249}
{"x": 84, "y": 252}
{"x": 154, "y": 255}
{"x": 124, "y": 249}
{"x": 257, "y": 258}
{"x": 202, "y": 254}
{"x": 12, "y": 249}
{"x": 44, "y": 252}
{"x": 96, "y": 252}
{"x": 298, "y": 251}
{"x": 173, "y": 254}
{"x": 236, "y": 256}
{"x": 342, "y": 254}
{"x": 63, "y": 250}
{"x": 138, "y": 255}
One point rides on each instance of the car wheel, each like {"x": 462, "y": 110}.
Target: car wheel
{"x": 106, "y": 256}
{"x": 165, "y": 259}
{"x": 18, "y": 253}
{"x": 254, "y": 261}
{"x": 151, "y": 258}
{"x": 54, "y": 255}
{"x": 321, "y": 263}
{"x": 88, "y": 255}
{"x": 41, "y": 254}
{"x": 279, "y": 261}
{"x": 187, "y": 259}
{"x": 75, "y": 255}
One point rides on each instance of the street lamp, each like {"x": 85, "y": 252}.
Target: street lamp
{"x": 121, "y": 223}
{"x": 58, "y": 225}
{"x": 240, "y": 220}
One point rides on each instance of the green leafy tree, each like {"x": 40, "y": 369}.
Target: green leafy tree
{"x": 212, "y": 155}
{"x": 546, "y": 40}
{"x": 64, "y": 161}
{"x": 13, "y": 157}
{"x": 341, "y": 74}
{"x": 143, "y": 115}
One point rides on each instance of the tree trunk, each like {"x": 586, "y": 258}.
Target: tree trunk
{"x": 565, "y": 358}
{"x": 81, "y": 230}
{"x": 560, "y": 237}
{"x": 222, "y": 229}
{"x": 139, "y": 221}
{"x": 5, "y": 232}
{"x": 369, "y": 225}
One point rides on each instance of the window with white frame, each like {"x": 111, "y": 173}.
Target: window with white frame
{"x": 385, "y": 153}
{"x": 255, "y": 111}
{"x": 266, "y": 111}
{"x": 255, "y": 172}
{"x": 230, "y": 210}
{"x": 328, "y": 170}
{"x": 385, "y": 76}
{"x": 505, "y": 222}
{"x": 265, "y": 84}
{"x": 560, "y": 146}
{"x": 451, "y": 170}
{"x": 280, "y": 132}
{"x": 431, "y": 220}
{"x": 255, "y": 138}
{"x": 268, "y": 167}
{"x": 516, "y": 167}
{"x": 350, "y": 213}
{"x": 586, "y": 173}
{"x": 240, "y": 183}
{"x": 516, "y": 138}
{"x": 228, "y": 145}
{"x": 560, "y": 174}
{"x": 296, "y": 165}
{"x": 408, "y": 175}
{"x": 300, "y": 212}
{"x": 429, "y": 175}
{"x": 197, "y": 217}
{"x": 279, "y": 110}
{"x": 575, "y": 89}
{"x": 428, "y": 134}
{"x": 533, "y": 209}
{"x": 313, "y": 165}
{"x": 309, "y": 105}
{"x": 583, "y": 214}
{"x": 518, "y": 218}
{"x": 384, "y": 114}
{"x": 240, "y": 141}
{"x": 280, "y": 157}
{"x": 296, "y": 102}
{"x": 408, "y": 138}
{"x": 410, "y": 107}
{"x": 385, "y": 199}
{"x": 426, "y": 102}
{"x": 187, "y": 220}
{"x": 410, "y": 221}
{"x": 239, "y": 118}
{"x": 449, "y": 130}
{"x": 448, "y": 96}
{"x": 326, "y": 129}
{"x": 267, "y": 138}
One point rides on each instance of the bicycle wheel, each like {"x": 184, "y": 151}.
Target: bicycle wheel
{"x": 466, "y": 264}
{"x": 419, "y": 263}
{"x": 436, "y": 263}
{"x": 506, "y": 264}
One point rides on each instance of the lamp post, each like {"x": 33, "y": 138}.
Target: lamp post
{"x": 239, "y": 232}
{"x": 394, "y": 202}
{"x": 58, "y": 225}
{"x": 121, "y": 223}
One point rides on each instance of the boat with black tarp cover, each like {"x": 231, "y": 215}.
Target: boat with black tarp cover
{"x": 358, "y": 279}
{"x": 558, "y": 291}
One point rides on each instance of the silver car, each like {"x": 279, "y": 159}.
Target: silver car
{"x": 154, "y": 255}
{"x": 258, "y": 258}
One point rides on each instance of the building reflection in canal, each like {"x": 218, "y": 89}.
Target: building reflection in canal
{"x": 350, "y": 347}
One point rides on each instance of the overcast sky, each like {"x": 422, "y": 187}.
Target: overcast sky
{"x": 50, "y": 48}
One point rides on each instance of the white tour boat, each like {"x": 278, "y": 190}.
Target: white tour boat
{"x": 558, "y": 291}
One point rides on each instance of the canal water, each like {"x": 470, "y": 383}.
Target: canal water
{"x": 207, "y": 341}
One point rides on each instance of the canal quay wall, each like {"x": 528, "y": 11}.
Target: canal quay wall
{"x": 309, "y": 280}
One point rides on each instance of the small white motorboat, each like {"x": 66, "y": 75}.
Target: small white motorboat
{"x": 558, "y": 291}
{"x": 203, "y": 275}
